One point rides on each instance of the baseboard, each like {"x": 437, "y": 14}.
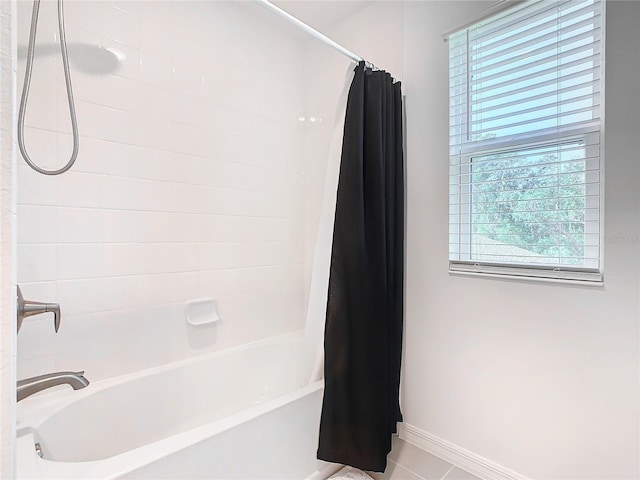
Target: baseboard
{"x": 458, "y": 456}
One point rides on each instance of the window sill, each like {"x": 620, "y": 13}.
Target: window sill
{"x": 528, "y": 278}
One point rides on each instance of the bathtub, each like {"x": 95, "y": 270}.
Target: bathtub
{"x": 242, "y": 413}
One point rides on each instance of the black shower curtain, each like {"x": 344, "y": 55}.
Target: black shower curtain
{"x": 363, "y": 331}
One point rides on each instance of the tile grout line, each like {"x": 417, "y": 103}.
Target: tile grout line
{"x": 448, "y": 472}
{"x": 408, "y": 470}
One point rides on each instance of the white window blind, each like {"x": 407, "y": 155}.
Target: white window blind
{"x": 525, "y": 127}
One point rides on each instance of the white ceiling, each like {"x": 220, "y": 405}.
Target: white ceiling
{"x": 322, "y": 14}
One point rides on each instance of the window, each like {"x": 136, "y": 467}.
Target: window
{"x": 525, "y": 128}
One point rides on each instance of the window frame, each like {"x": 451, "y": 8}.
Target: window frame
{"x": 522, "y": 141}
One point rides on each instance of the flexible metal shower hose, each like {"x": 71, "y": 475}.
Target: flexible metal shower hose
{"x": 27, "y": 82}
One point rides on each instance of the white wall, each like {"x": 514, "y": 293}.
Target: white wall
{"x": 540, "y": 378}
{"x": 189, "y": 184}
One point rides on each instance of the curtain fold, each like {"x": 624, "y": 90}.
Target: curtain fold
{"x": 363, "y": 330}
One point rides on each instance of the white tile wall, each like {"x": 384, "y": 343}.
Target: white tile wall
{"x": 189, "y": 183}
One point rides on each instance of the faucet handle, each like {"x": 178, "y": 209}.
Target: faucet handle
{"x": 27, "y": 308}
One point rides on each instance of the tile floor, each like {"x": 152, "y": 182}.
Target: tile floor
{"x": 407, "y": 462}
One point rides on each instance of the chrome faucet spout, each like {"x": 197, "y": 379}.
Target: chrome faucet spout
{"x": 29, "y": 386}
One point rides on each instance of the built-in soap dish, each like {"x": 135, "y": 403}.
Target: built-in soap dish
{"x": 201, "y": 311}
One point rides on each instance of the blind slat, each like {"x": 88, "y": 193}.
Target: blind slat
{"x": 557, "y": 130}
{"x": 590, "y": 164}
{"x": 565, "y": 79}
{"x": 555, "y": 62}
{"x": 549, "y": 19}
{"x": 517, "y": 16}
{"x": 569, "y": 34}
{"x": 535, "y": 57}
{"x": 559, "y": 117}
{"x": 460, "y": 99}
{"x": 481, "y": 57}
{"x": 532, "y": 110}
{"x": 535, "y": 98}
{"x": 485, "y": 93}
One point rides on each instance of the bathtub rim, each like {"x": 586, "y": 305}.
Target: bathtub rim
{"x": 35, "y": 413}
{"x": 114, "y": 467}
{"x": 35, "y": 410}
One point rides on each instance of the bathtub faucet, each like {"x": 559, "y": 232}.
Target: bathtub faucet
{"x": 32, "y": 385}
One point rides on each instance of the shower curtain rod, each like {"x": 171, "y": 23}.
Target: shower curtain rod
{"x": 312, "y": 31}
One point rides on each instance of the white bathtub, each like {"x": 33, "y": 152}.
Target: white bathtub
{"x": 243, "y": 413}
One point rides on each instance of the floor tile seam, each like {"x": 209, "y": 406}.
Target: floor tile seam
{"x": 448, "y": 472}
{"x": 416, "y": 473}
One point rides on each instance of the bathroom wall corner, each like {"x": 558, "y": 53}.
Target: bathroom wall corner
{"x": 7, "y": 240}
